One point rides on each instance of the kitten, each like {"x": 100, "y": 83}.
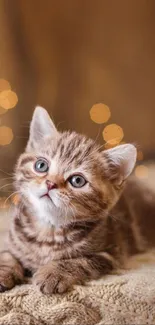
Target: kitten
{"x": 75, "y": 219}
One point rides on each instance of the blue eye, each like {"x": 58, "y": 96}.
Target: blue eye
{"x": 77, "y": 181}
{"x": 41, "y": 166}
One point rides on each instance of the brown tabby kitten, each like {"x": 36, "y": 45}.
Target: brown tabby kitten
{"x": 74, "y": 222}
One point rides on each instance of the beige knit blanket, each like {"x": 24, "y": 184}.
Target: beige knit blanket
{"x": 126, "y": 298}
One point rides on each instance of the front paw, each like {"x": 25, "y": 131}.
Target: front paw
{"x": 54, "y": 279}
{"x": 7, "y": 279}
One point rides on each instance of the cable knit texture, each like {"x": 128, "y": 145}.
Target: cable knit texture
{"x": 125, "y": 298}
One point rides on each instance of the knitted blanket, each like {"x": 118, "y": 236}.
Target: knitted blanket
{"x": 125, "y": 298}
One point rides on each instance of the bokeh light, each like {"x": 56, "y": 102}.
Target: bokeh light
{"x": 100, "y": 113}
{"x": 113, "y": 134}
{"x": 4, "y": 85}
{"x": 8, "y": 99}
{"x": 141, "y": 171}
{"x": 6, "y": 135}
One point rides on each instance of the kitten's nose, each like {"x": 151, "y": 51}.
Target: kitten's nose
{"x": 50, "y": 185}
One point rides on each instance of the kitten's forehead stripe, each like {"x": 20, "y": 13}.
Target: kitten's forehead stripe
{"x": 27, "y": 159}
{"x": 74, "y": 148}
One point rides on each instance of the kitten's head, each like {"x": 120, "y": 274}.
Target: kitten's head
{"x": 66, "y": 176}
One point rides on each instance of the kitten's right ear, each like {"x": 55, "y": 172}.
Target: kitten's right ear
{"x": 41, "y": 126}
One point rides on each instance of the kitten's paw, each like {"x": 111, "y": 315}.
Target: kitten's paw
{"x": 53, "y": 280}
{"x": 7, "y": 280}
{"x": 10, "y": 276}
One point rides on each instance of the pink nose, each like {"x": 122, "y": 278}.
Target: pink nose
{"x": 50, "y": 185}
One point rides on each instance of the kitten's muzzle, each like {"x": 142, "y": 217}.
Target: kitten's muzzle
{"x": 50, "y": 186}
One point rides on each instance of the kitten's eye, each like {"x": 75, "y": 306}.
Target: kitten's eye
{"x": 77, "y": 181}
{"x": 41, "y": 166}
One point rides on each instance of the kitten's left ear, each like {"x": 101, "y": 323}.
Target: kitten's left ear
{"x": 119, "y": 162}
{"x": 41, "y": 126}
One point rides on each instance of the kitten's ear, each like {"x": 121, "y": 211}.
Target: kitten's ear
{"x": 120, "y": 162}
{"x": 41, "y": 126}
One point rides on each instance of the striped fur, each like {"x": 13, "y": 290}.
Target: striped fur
{"x": 79, "y": 233}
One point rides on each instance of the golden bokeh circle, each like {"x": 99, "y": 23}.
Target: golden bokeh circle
{"x": 100, "y": 113}
{"x": 6, "y": 135}
{"x": 8, "y": 99}
{"x": 141, "y": 171}
{"x": 113, "y": 134}
{"x": 4, "y": 85}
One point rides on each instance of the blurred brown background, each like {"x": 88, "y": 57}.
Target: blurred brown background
{"x": 69, "y": 55}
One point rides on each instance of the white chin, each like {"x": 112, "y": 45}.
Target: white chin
{"x": 48, "y": 200}
{"x": 48, "y": 210}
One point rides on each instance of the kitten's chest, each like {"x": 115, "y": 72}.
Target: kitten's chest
{"x": 44, "y": 252}
{"x": 38, "y": 247}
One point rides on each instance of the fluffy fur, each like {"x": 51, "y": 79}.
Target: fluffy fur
{"x": 73, "y": 234}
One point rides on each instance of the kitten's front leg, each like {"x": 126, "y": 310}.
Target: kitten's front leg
{"x": 59, "y": 276}
{"x": 11, "y": 272}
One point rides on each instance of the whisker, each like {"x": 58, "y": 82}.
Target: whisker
{"x": 60, "y": 123}
{"x": 5, "y": 172}
{"x": 118, "y": 219}
{"x": 98, "y": 134}
{"x": 9, "y": 197}
{"x": 5, "y": 191}
{"x": 6, "y": 178}
{"x": 5, "y": 185}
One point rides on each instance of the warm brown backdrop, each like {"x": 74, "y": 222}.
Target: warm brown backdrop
{"x": 70, "y": 54}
